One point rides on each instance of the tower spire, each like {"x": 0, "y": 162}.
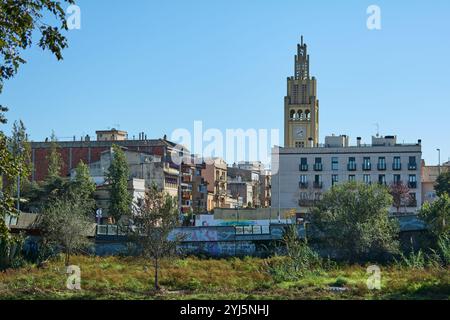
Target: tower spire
{"x": 302, "y": 62}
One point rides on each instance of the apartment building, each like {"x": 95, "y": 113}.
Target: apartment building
{"x": 429, "y": 176}
{"x": 215, "y": 175}
{"x": 89, "y": 151}
{"x": 302, "y": 175}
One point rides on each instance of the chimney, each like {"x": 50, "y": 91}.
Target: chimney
{"x": 358, "y": 141}
{"x": 310, "y": 142}
{"x": 419, "y": 142}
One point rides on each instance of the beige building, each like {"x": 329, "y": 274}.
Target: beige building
{"x": 301, "y": 106}
{"x": 429, "y": 176}
{"x": 265, "y": 184}
{"x": 111, "y": 135}
{"x": 301, "y": 175}
{"x": 215, "y": 175}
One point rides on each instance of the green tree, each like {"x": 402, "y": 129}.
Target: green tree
{"x": 353, "y": 221}
{"x": 9, "y": 168}
{"x": 153, "y": 221}
{"x": 54, "y": 159}
{"x": 118, "y": 173}
{"x": 437, "y": 215}
{"x": 82, "y": 186}
{"x": 64, "y": 225}
{"x": 20, "y": 148}
{"x": 443, "y": 183}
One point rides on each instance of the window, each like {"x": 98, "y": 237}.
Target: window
{"x": 397, "y": 178}
{"x": 334, "y": 179}
{"x": 351, "y": 164}
{"x": 303, "y": 182}
{"x": 366, "y": 163}
{"x": 318, "y": 164}
{"x": 299, "y": 144}
{"x": 303, "y": 164}
{"x": 412, "y": 181}
{"x": 367, "y": 179}
{"x": 317, "y": 181}
{"x": 381, "y": 163}
{"x": 412, "y": 200}
{"x": 351, "y": 178}
{"x": 382, "y": 179}
{"x": 334, "y": 164}
{"x": 412, "y": 165}
{"x": 397, "y": 165}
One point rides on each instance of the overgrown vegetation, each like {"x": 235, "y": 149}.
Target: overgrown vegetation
{"x": 352, "y": 222}
{"x": 234, "y": 278}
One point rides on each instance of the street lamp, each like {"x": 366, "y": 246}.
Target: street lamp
{"x": 180, "y": 154}
{"x": 439, "y": 159}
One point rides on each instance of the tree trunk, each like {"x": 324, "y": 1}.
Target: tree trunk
{"x": 156, "y": 274}
{"x": 67, "y": 259}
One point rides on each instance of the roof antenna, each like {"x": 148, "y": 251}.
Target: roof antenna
{"x": 378, "y": 129}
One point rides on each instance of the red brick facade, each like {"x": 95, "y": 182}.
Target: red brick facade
{"x": 88, "y": 152}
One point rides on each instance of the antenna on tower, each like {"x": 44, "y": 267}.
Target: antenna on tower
{"x": 378, "y": 129}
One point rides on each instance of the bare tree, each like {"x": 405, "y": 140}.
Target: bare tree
{"x": 154, "y": 219}
{"x": 64, "y": 224}
{"x": 400, "y": 194}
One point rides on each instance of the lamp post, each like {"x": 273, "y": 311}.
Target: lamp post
{"x": 439, "y": 159}
{"x": 180, "y": 154}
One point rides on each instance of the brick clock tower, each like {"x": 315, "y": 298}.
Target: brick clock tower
{"x": 301, "y": 106}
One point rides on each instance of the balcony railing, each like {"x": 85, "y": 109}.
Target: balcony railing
{"x": 351, "y": 166}
{"x": 303, "y": 167}
{"x": 303, "y": 185}
{"x": 396, "y": 166}
{"x": 381, "y": 166}
{"x": 412, "y": 185}
{"x": 412, "y": 203}
{"x": 307, "y": 202}
{"x": 318, "y": 167}
{"x": 318, "y": 185}
{"x": 412, "y": 166}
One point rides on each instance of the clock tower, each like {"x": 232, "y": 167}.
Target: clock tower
{"x": 301, "y": 106}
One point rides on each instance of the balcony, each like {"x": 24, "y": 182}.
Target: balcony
{"x": 367, "y": 166}
{"x": 412, "y": 166}
{"x": 303, "y": 185}
{"x": 186, "y": 196}
{"x": 318, "y": 167}
{"x": 381, "y": 166}
{"x": 186, "y": 179}
{"x": 318, "y": 185}
{"x": 397, "y": 166}
{"x": 351, "y": 166}
{"x": 411, "y": 203}
{"x": 303, "y": 167}
{"x": 412, "y": 184}
{"x": 306, "y": 202}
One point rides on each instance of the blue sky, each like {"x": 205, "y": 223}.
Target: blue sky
{"x": 156, "y": 66}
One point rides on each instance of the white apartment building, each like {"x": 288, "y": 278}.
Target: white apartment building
{"x": 301, "y": 175}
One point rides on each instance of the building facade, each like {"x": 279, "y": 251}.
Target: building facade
{"x": 302, "y": 175}
{"x": 215, "y": 175}
{"x": 429, "y": 176}
{"x": 89, "y": 151}
{"x": 301, "y": 106}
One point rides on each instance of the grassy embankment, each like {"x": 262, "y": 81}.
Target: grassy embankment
{"x": 192, "y": 278}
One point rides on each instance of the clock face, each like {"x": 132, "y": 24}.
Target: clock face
{"x": 299, "y": 132}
